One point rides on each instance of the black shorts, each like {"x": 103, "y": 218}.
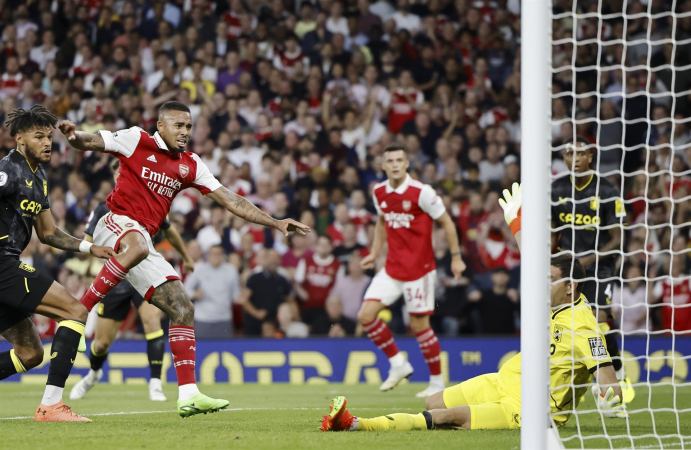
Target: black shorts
{"x": 22, "y": 288}
{"x": 116, "y": 305}
{"x": 599, "y": 293}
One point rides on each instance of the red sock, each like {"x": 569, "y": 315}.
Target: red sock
{"x": 381, "y": 335}
{"x": 183, "y": 346}
{"x": 110, "y": 276}
{"x": 429, "y": 344}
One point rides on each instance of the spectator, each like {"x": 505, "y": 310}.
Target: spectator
{"x": 314, "y": 279}
{"x": 350, "y": 288}
{"x": 496, "y": 307}
{"x": 289, "y": 322}
{"x": 674, "y": 293}
{"x": 248, "y": 153}
{"x": 336, "y": 325}
{"x": 213, "y": 287}
{"x": 629, "y": 304}
{"x": 265, "y": 291}
{"x": 349, "y": 245}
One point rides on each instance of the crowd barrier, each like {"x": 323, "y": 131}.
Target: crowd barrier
{"x": 350, "y": 361}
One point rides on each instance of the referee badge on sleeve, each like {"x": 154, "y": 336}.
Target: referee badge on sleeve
{"x": 597, "y": 348}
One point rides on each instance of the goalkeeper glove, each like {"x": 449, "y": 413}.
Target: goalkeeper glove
{"x": 609, "y": 404}
{"x": 511, "y": 204}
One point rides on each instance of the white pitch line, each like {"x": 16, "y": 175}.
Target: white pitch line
{"x": 664, "y": 444}
{"x": 167, "y": 411}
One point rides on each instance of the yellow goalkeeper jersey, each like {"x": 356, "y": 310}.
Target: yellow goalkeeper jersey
{"x": 576, "y": 350}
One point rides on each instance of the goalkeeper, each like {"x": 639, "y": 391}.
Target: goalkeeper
{"x": 589, "y": 212}
{"x": 493, "y": 401}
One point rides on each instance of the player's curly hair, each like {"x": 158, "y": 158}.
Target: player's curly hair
{"x": 21, "y": 120}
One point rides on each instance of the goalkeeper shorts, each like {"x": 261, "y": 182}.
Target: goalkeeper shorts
{"x": 490, "y": 407}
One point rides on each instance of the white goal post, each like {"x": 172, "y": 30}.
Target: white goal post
{"x": 535, "y": 229}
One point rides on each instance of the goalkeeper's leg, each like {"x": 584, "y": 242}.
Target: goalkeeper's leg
{"x": 489, "y": 416}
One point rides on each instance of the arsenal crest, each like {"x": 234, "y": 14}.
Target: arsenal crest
{"x": 184, "y": 170}
{"x": 407, "y": 205}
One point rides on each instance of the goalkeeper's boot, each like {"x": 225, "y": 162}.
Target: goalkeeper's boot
{"x": 338, "y": 419}
{"x": 396, "y": 375}
{"x": 57, "y": 413}
{"x": 85, "y": 384}
{"x": 200, "y": 404}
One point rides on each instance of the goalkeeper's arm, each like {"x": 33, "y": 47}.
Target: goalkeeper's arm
{"x": 511, "y": 204}
{"x": 607, "y": 393}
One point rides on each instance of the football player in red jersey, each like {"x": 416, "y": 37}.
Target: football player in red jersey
{"x": 407, "y": 211}
{"x": 153, "y": 170}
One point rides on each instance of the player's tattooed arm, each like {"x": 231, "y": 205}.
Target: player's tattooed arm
{"x": 238, "y": 205}
{"x": 48, "y": 233}
{"x": 81, "y": 140}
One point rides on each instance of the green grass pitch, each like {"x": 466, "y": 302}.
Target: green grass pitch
{"x": 282, "y": 416}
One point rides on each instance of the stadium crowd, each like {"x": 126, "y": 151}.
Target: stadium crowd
{"x": 293, "y": 104}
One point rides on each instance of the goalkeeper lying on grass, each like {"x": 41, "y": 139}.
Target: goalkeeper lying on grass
{"x": 493, "y": 401}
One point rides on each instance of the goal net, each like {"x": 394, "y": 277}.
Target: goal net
{"x": 621, "y": 89}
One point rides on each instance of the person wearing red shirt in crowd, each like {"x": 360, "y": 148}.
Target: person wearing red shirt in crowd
{"x": 407, "y": 211}
{"x": 298, "y": 251}
{"x": 472, "y": 215}
{"x": 335, "y": 230}
{"x": 12, "y": 80}
{"x": 405, "y": 101}
{"x": 675, "y": 295}
{"x": 315, "y": 276}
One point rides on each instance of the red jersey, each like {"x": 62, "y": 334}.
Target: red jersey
{"x": 11, "y": 85}
{"x": 234, "y": 25}
{"x": 317, "y": 276}
{"x": 335, "y": 232}
{"x": 402, "y": 111}
{"x": 151, "y": 176}
{"x": 285, "y": 61}
{"x": 676, "y": 298}
{"x": 409, "y": 211}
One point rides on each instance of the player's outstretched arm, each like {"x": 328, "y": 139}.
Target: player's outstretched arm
{"x": 238, "y": 205}
{"x": 457, "y": 264}
{"x": 178, "y": 244}
{"x": 81, "y": 140}
{"x": 49, "y": 234}
{"x": 511, "y": 204}
{"x": 607, "y": 393}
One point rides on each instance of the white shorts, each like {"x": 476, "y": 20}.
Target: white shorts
{"x": 418, "y": 294}
{"x": 148, "y": 274}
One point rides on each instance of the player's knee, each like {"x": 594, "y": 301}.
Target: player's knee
{"x": 30, "y": 357}
{"x": 419, "y": 323}
{"x": 152, "y": 323}
{"x": 136, "y": 250}
{"x": 75, "y": 311}
{"x": 187, "y": 311}
{"x": 366, "y": 316}
{"x": 100, "y": 346}
{"x": 435, "y": 401}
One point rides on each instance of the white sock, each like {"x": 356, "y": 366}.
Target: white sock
{"x": 187, "y": 391}
{"x": 436, "y": 380}
{"x": 397, "y": 360}
{"x": 52, "y": 395}
{"x": 155, "y": 383}
{"x": 355, "y": 425}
